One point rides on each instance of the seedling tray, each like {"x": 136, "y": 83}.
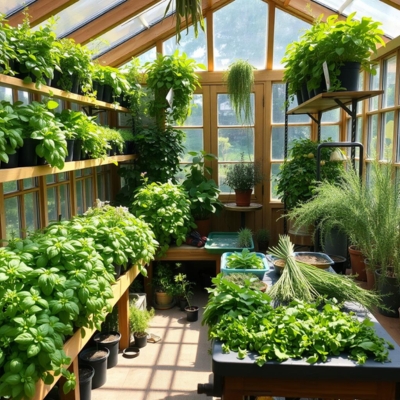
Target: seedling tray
{"x": 259, "y": 272}
{"x": 221, "y": 242}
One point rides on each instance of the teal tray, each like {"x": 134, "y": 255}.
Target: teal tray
{"x": 221, "y": 242}
{"x": 259, "y": 272}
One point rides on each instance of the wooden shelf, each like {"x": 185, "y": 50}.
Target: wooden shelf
{"x": 13, "y": 174}
{"x": 15, "y": 83}
{"x": 75, "y": 344}
{"x": 328, "y": 101}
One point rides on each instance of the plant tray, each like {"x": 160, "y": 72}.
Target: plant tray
{"x": 259, "y": 272}
{"x": 319, "y": 260}
{"x": 221, "y": 242}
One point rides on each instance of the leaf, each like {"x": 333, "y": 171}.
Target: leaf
{"x": 29, "y": 389}
{"x": 33, "y": 350}
{"x": 24, "y": 338}
{"x": 51, "y": 104}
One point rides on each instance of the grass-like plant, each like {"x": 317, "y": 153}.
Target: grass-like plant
{"x": 245, "y": 237}
{"x": 239, "y": 81}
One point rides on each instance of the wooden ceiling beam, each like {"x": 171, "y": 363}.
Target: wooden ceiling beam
{"x": 110, "y": 20}
{"x": 393, "y": 3}
{"x": 40, "y": 11}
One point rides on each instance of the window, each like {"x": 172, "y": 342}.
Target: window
{"x": 58, "y": 197}
{"x": 84, "y": 189}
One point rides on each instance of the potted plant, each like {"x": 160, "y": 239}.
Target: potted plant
{"x": 369, "y": 215}
{"x": 239, "y": 80}
{"x": 245, "y": 238}
{"x": 128, "y": 138}
{"x": 135, "y": 94}
{"x": 139, "y": 321}
{"x": 7, "y": 50}
{"x": 189, "y": 10}
{"x": 164, "y": 286}
{"x": 262, "y": 239}
{"x": 173, "y": 76}
{"x": 242, "y": 177}
{"x": 202, "y": 191}
{"x": 183, "y": 290}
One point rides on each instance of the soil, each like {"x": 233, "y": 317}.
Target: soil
{"x": 94, "y": 355}
{"x": 84, "y": 373}
{"x": 311, "y": 259}
{"x": 108, "y": 337}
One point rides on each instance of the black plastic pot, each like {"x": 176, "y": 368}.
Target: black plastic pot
{"x": 86, "y": 374}
{"x": 110, "y": 341}
{"x": 350, "y": 75}
{"x": 129, "y": 147}
{"x": 192, "y": 313}
{"x": 27, "y": 156}
{"x": 117, "y": 269}
{"x": 70, "y": 150}
{"x": 340, "y": 264}
{"x": 12, "y": 161}
{"x": 108, "y": 94}
{"x": 140, "y": 341}
{"x": 389, "y": 288}
{"x": 98, "y": 360}
{"x": 77, "y": 153}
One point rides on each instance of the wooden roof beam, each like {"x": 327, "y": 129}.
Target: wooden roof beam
{"x": 111, "y": 19}
{"x": 40, "y": 11}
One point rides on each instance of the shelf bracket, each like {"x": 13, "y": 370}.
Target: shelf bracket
{"x": 352, "y": 112}
{"x": 316, "y": 120}
{"x": 91, "y": 111}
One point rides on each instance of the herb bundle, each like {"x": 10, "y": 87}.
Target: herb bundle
{"x": 308, "y": 283}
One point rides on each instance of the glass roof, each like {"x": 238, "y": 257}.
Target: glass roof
{"x": 12, "y": 6}
{"x": 377, "y": 10}
{"x": 130, "y": 28}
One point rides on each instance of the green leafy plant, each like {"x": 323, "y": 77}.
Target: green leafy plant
{"x": 135, "y": 94}
{"x": 139, "y": 320}
{"x": 163, "y": 279}
{"x": 174, "y": 73}
{"x": 126, "y": 135}
{"x": 203, "y": 192}
{"x": 111, "y": 136}
{"x": 183, "y": 287}
{"x": 263, "y": 235}
{"x": 244, "y": 260}
{"x": 166, "y": 207}
{"x": 239, "y": 80}
{"x": 7, "y": 50}
{"x": 247, "y": 279}
{"x": 189, "y": 10}
{"x": 244, "y": 175}
{"x": 296, "y": 180}
{"x": 245, "y": 237}
{"x": 113, "y": 77}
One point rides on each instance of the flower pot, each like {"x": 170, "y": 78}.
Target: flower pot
{"x": 263, "y": 246}
{"x": 335, "y": 242}
{"x": 108, "y": 94}
{"x": 299, "y": 97}
{"x": 109, "y": 340}
{"x": 192, "y": 313}
{"x": 140, "y": 340}
{"x": 302, "y": 236}
{"x": 350, "y": 75}
{"x": 182, "y": 304}
{"x": 98, "y": 360}
{"x": 86, "y": 374}
{"x": 163, "y": 301}
{"x": 389, "y": 288}
{"x": 70, "y": 150}
{"x": 243, "y": 197}
{"x": 129, "y": 147}
{"x": 340, "y": 263}
{"x": 27, "y": 156}
{"x": 203, "y": 226}
{"x": 77, "y": 152}
{"x": 117, "y": 271}
{"x": 357, "y": 264}
{"x": 12, "y": 161}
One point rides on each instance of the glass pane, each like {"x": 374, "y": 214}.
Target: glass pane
{"x": 278, "y": 139}
{"x": 358, "y": 137}
{"x": 196, "y": 116}
{"x": 275, "y": 168}
{"x": 78, "y": 173}
{"x": 193, "y": 142}
{"x": 222, "y": 168}
{"x": 13, "y": 222}
{"x": 387, "y": 136}
{"x": 6, "y": 94}
{"x": 389, "y": 82}
{"x": 360, "y": 104}
{"x": 9, "y": 7}
{"x": 374, "y": 85}
{"x": 64, "y": 202}
{"x": 234, "y": 142}
{"x": 100, "y": 186}
{"x": 107, "y": 195}
{"x": 79, "y": 198}
{"x": 148, "y": 56}
{"x": 23, "y": 96}
{"x": 226, "y": 116}
{"x": 31, "y": 211}
{"x": 290, "y": 30}
{"x": 195, "y": 48}
{"x": 331, "y": 116}
{"x": 278, "y": 107}
{"x": 50, "y": 179}
{"x": 9, "y": 187}
{"x": 124, "y": 120}
{"x": 63, "y": 176}
{"x": 372, "y": 136}
{"x": 330, "y": 132}
{"x": 52, "y": 204}
{"x": 88, "y": 193}
{"x": 240, "y": 32}
{"x": 87, "y": 171}
{"x": 29, "y": 183}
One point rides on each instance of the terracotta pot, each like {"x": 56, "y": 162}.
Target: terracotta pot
{"x": 357, "y": 264}
{"x": 163, "y": 301}
{"x": 243, "y": 197}
{"x": 203, "y": 226}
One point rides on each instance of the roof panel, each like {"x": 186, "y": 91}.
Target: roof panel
{"x": 12, "y": 6}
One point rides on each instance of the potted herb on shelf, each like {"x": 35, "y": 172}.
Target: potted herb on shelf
{"x": 202, "y": 191}
{"x": 139, "y": 321}
{"x": 128, "y": 138}
{"x": 242, "y": 177}
{"x": 262, "y": 239}
{"x": 183, "y": 290}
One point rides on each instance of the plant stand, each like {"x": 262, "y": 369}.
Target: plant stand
{"x": 243, "y": 210}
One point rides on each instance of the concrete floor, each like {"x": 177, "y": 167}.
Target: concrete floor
{"x": 169, "y": 369}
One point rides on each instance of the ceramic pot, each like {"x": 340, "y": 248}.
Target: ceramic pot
{"x": 243, "y": 197}
{"x": 203, "y": 226}
{"x": 357, "y": 264}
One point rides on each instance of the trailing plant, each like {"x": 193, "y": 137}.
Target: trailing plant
{"x": 244, "y": 260}
{"x": 139, "y": 320}
{"x": 190, "y": 10}
{"x": 239, "y": 81}
{"x": 135, "y": 94}
{"x": 296, "y": 180}
{"x": 203, "y": 192}
{"x": 176, "y": 74}
{"x": 245, "y": 237}
{"x": 244, "y": 175}
{"x": 166, "y": 207}
{"x": 183, "y": 287}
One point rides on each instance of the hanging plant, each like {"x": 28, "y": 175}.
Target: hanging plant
{"x": 240, "y": 79}
{"x": 190, "y": 10}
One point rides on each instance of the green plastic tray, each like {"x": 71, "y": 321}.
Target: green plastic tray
{"x": 221, "y": 242}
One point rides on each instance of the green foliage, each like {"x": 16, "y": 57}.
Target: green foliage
{"x": 172, "y": 72}
{"x": 203, "y": 192}
{"x": 113, "y": 77}
{"x": 166, "y": 207}
{"x": 189, "y": 10}
{"x": 244, "y": 175}
{"x": 245, "y": 237}
{"x": 263, "y": 235}
{"x": 297, "y": 176}
{"x": 247, "y": 279}
{"x": 183, "y": 287}
{"x": 111, "y": 136}
{"x": 126, "y": 135}
{"x": 7, "y": 48}
{"x": 139, "y": 320}
{"x": 239, "y": 81}
{"x": 244, "y": 260}
{"x": 163, "y": 279}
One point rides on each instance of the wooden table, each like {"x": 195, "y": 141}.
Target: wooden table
{"x": 242, "y": 210}
{"x": 339, "y": 378}
{"x": 182, "y": 253}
